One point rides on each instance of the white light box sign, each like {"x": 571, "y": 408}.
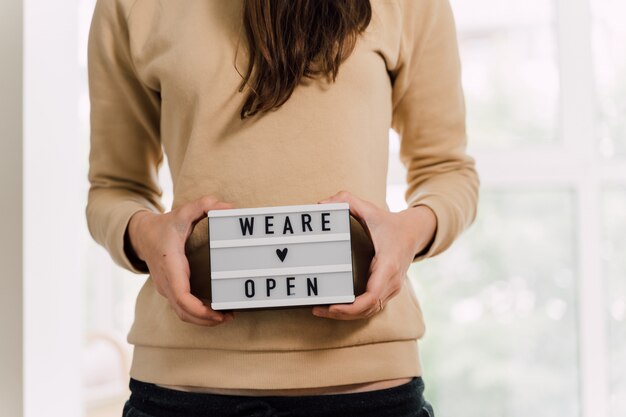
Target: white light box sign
{"x": 280, "y": 256}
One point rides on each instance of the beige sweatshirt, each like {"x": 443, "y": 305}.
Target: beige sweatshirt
{"x": 162, "y": 79}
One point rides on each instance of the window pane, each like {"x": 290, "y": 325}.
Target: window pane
{"x": 510, "y": 72}
{"x": 500, "y": 310}
{"x": 609, "y": 48}
{"x": 615, "y": 266}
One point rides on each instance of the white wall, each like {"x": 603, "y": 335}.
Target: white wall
{"x": 53, "y": 209}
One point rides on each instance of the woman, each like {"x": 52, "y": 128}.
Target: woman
{"x": 262, "y": 103}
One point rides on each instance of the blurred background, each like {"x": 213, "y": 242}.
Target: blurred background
{"x": 525, "y": 314}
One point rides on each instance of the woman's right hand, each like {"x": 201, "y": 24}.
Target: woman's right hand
{"x": 159, "y": 241}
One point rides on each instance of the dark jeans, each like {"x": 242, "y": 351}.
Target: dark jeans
{"x": 150, "y": 400}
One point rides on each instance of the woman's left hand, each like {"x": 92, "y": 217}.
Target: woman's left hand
{"x": 397, "y": 238}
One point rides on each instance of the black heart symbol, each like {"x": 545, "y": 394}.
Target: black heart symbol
{"x": 281, "y": 254}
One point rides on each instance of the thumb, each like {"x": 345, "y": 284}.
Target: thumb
{"x": 199, "y": 208}
{"x": 358, "y": 207}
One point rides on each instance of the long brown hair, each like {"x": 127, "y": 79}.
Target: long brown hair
{"x": 291, "y": 39}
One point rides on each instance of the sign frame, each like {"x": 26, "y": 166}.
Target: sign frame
{"x": 284, "y": 272}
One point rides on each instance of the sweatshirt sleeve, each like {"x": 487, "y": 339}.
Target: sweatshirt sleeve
{"x": 429, "y": 115}
{"x": 125, "y": 149}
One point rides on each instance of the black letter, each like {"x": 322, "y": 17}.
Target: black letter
{"x": 287, "y": 222}
{"x": 268, "y": 225}
{"x": 306, "y": 222}
{"x": 249, "y": 225}
{"x": 311, "y": 286}
{"x": 325, "y": 221}
{"x": 290, "y": 285}
{"x": 249, "y": 288}
{"x": 267, "y": 285}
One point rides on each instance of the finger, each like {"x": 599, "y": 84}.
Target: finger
{"x": 187, "y": 216}
{"x": 358, "y": 207}
{"x": 196, "y": 210}
{"x": 362, "y": 306}
{"x": 381, "y": 276}
{"x": 186, "y": 317}
{"x": 228, "y": 314}
{"x": 204, "y": 204}
{"x": 183, "y": 316}
{"x": 192, "y": 305}
{"x": 177, "y": 270}
{"x": 361, "y": 210}
{"x": 219, "y": 205}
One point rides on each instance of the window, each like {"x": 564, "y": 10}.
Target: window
{"x": 510, "y": 72}
{"x": 525, "y": 313}
{"x": 609, "y": 48}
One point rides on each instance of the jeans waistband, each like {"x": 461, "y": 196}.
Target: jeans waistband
{"x": 162, "y": 401}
